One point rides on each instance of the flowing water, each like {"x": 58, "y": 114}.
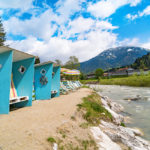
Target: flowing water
{"x": 138, "y": 110}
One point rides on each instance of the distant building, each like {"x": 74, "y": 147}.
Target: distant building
{"x": 106, "y": 74}
{"x": 91, "y": 75}
{"x": 124, "y": 71}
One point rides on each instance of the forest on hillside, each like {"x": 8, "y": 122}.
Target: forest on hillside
{"x": 142, "y": 63}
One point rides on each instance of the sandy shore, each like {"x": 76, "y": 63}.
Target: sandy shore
{"x": 28, "y": 128}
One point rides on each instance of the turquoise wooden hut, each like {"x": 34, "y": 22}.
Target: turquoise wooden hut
{"x": 43, "y": 80}
{"x": 46, "y": 80}
{"x": 55, "y": 92}
{"x": 16, "y": 79}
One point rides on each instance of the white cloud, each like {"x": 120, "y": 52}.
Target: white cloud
{"x": 106, "y": 8}
{"x": 146, "y": 44}
{"x": 79, "y": 25}
{"x": 131, "y": 17}
{"x": 82, "y": 25}
{"x": 1, "y": 12}
{"x": 134, "y": 42}
{"x": 134, "y": 2}
{"x": 105, "y": 25}
{"x": 94, "y": 35}
{"x": 16, "y": 4}
{"x": 37, "y": 26}
{"x": 57, "y": 48}
{"x": 66, "y": 8}
{"x": 145, "y": 12}
{"x": 129, "y": 42}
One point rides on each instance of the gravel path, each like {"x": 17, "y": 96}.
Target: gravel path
{"x": 29, "y": 127}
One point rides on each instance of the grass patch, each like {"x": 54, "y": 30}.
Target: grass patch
{"x": 85, "y": 86}
{"x": 94, "y": 111}
{"x": 122, "y": 124}
{"x": 89, "y": 81}
{"x": 73, "y": 118}
{"x": 81, "y": 145}
{"x": 84, "y": 125}
{"x": 134, "y": 80}
{"x": 63, "y": 136}
{"x": 51, "y": 140}
{"x": 63, "y": 133}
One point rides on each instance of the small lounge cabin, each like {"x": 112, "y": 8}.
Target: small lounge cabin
{"x": 55, "y": 87}
{"x": 16, "y": 79}
{"x": 43, "y": 80}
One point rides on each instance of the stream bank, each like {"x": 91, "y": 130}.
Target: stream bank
{"x": 110, "y": 133}
{"x": 136, "y": 103}
{"x": 114, "y": 136}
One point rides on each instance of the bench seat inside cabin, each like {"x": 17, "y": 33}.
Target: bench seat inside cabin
{"x": 53, "y": 92}
{"x": 13, "y": 95}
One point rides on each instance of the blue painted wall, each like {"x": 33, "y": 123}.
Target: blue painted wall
{"x": 24, "y": 82}
{"x": 43, "y": 92}
{"x": 56, "y": 81}
{"x": 5, "y": 80}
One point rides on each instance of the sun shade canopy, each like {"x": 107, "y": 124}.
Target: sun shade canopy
{"x": 17, "y": 55}
{"x": 70, "y": 72}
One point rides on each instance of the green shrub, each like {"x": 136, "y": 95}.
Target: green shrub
{"x": 51, "y": 140}
{"x": 73, "y": 118}
{"x": 94, "y": 109}
{"x": 84, "y": 125}
{"x": 85, "y": 86}
{"x": 88, "y": 81}
{"x": 122, "y": 124}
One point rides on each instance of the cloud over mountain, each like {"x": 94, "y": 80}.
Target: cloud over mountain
{"x": 64, "y": 27}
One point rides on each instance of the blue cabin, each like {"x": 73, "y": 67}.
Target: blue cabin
{"x": 46, "y": 81}
{"x": 55, "y": 86}
{"x": 16, "y": 79}
{"x": 43, "y": 80}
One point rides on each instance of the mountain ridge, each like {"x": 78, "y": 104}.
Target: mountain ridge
{"x": 113, "y": 57}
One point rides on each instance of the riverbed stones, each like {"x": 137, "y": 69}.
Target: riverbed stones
{"x": 55, "y": 146}
{"x": 138, "y": 97}
{"x": 113, "y": 105}
{"x": 127, "y": 136}
{"x": 113, "y": 131}
{"x": 103, "y": 140}
{"x": 113, "y": 108}
{"x": 118, "y": 134}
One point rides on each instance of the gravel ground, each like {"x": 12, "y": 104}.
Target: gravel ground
{"x": 28, "y": 128}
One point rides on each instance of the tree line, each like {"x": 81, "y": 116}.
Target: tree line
{"x": 72, "y": 63}
{"x": 2, "y": 34}
{"x": 142, "y": 63}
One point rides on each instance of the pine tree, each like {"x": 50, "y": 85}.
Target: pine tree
{"x": 2, "y": 34}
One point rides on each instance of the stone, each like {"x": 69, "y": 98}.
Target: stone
{"x": 108, "y": 134}
{"x": 108, "y": 104}
{"x": 125, "y": 135}
{"x": 55, "y": 146}
{"x": 103, "y": 141}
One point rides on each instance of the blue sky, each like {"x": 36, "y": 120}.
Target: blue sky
{"x": 57, "y": 29}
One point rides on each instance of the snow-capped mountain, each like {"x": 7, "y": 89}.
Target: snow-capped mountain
{"x": 114, "y": 57}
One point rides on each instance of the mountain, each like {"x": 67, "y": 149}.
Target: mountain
{"x": 142, "y": 63}
{"x": 112, "y": 58}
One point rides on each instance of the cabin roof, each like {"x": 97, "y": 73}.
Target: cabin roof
{"x": 56, "y": 65}
{"x": 48, "y": 62}
{"x": 44, "y": 63}
{"x": 17, "y": 55}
